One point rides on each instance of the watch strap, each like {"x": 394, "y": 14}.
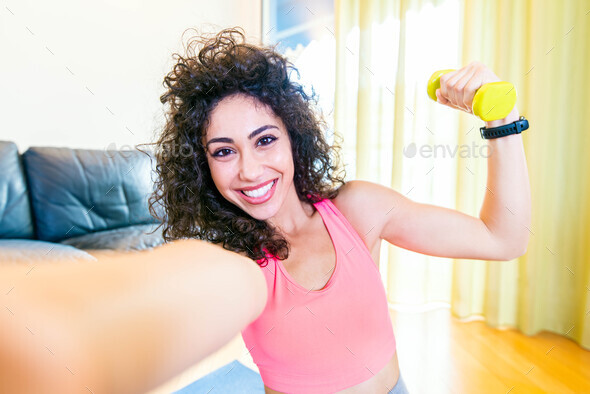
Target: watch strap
{"x": 501, "y": 131}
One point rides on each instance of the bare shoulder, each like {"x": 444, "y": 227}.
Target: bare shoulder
{"x": 349, "y": 195}
{"x": 364, "y": 199}
{"x": 367, "y": 206}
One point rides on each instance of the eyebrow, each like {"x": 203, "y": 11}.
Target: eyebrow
{"x": 250, "y": 136}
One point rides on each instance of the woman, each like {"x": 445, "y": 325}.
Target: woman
{"x": 243, "y": 164}
{"x": 260, "y": 180}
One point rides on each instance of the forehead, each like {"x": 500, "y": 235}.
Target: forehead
{"x": 239, "y": 114}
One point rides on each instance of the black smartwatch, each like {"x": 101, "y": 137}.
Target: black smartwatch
{"x": 501, "y": 131}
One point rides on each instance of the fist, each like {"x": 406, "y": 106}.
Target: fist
{"x": 457, "y": 88}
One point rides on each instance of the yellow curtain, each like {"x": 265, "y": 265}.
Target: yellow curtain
{"x": 394, "y": 135}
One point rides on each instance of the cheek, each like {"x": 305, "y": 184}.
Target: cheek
{"x": 289, "y": 161}
{"x": 223, "y": 174}
{"x": 285, "y": 156}
{"x": 281, "y": 161}
{"x": 216, "y": 174}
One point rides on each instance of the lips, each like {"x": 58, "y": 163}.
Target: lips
{"x": 268, "y": 188}
{"x": 256, "y": 187}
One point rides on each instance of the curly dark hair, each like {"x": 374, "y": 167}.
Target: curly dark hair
{"x": 192, "y": 206}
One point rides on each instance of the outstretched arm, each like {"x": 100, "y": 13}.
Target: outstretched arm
{"x": 123, "y": 324}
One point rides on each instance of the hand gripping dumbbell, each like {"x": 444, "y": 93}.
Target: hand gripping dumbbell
{"x": 492, "y": 101}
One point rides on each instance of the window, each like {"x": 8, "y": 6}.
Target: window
{"x": 304, "y": 33}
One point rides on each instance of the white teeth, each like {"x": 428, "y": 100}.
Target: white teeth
{"x": 259, "y": 192}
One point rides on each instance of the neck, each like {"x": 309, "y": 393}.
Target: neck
{"x": 293, "y": 217}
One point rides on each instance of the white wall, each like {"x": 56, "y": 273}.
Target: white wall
{"x": 88, "y": 74}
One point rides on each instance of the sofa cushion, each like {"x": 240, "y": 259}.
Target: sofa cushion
{"x": 78, "y": 191}
{"x": 16, "y": 220}
{"x": 33, "y": 252}
{"x": 139, "y": 237}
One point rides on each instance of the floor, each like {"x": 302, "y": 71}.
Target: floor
{"x": 440, "y": 354}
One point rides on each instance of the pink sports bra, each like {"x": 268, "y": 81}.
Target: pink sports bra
{"x": 330, "y": 339}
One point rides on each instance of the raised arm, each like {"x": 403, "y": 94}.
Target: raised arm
{"x": 501, "y": 231}
{"x": 123, "y": 324}
{"x": 506, "y": 209}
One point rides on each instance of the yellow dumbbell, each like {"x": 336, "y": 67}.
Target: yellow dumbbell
{"x": 492, "y": 101}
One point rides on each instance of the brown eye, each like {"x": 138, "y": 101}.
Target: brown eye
{"x": 266, "y": 140}
{"x": 221, "y": 152}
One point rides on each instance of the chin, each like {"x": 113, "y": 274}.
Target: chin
{"x": 262, "y": 214}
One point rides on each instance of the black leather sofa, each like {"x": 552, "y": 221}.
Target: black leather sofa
{"x": 61, "y": 203}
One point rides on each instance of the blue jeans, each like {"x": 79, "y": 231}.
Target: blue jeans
{"x": 400, "y": 387}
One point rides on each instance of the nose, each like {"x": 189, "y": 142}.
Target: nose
{"x": 251, "y": 167}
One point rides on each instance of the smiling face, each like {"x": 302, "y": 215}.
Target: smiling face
{"x": 249, "y": 155}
